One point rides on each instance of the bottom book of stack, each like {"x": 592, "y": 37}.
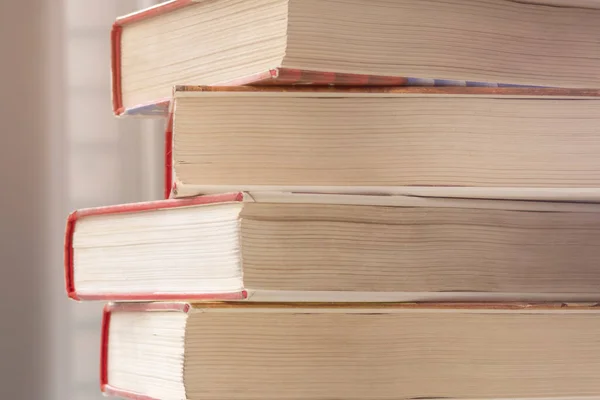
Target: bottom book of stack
{"x": 318, "y": 351}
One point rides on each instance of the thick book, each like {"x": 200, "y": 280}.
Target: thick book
{"x": 317, "y": 247}
{"x": 374, "y": 140}
{"x": 351, "y": 42}
{"x": 249, "y": 351}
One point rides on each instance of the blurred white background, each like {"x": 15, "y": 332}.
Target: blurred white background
{"x": 62, "y": 149}
{"x": 110, "y": 160}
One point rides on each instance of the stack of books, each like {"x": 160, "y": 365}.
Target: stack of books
{"x": 355, "y": 208}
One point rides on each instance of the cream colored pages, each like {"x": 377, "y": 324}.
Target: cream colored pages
{"x": 549, "y": 203}
{"x": 496, "y": 193}
{"x": 403, "y": 249}
{"x": 353, "y": 142}
{"x": 159, "y": 253}
{"x": 145, "y": 353}
{"x": 204, "y": 43}
{"x": 501, "y": 41}
{"x": 249, "y": 354}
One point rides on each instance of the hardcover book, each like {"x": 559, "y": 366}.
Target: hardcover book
{"x": 246, "y": 351}
{"x": 377, "y": 140}
{"x": 316, "y": 247}
{"x": 350, "y": 42}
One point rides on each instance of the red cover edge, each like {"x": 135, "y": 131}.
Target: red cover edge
{"x": 169, "y": 156}
{"x": 139, "y": 207}
{"x": 153, "y": 11}
{"x": 115, "y": 66}
{"x": 276, "y": 76}
{"x": 68, "y": 256}
{"x": 106, "y": 314}
{"x": 124, "y": 394}
{"x": 105, "y": 387}
{"x": 115, "y": 40}
{"x": 241, "y": 295}
{"x": 161, "y": 204}
{"x": 288, "y": 76}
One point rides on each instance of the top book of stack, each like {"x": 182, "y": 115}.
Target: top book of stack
{"x": 352, "y": 42}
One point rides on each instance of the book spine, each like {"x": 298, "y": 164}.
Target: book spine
{"x": 68, "y": 257}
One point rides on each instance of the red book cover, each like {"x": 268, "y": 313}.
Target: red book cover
{"x": 131, "y": 208}
{"x": 105, "y": 386}
{"x": 169, "y": 156}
